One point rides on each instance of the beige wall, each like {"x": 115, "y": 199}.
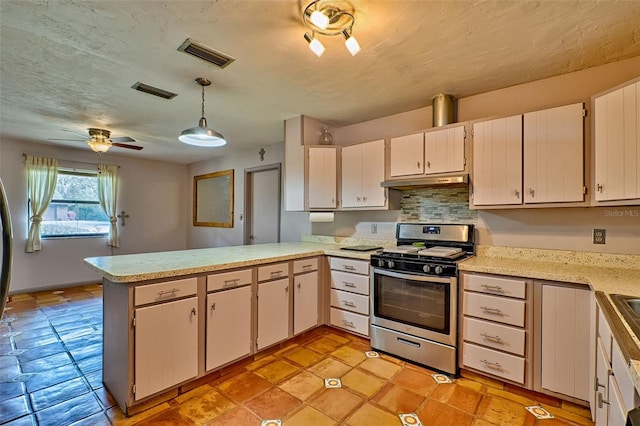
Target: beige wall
{"x": 555, "y": 228}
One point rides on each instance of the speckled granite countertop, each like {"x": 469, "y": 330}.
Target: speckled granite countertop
{"x": 147, "y": 266}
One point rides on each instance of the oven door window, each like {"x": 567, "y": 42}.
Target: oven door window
{"x": 419, "y": 303}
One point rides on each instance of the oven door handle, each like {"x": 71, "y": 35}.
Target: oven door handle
{"x": 411, "y": 276}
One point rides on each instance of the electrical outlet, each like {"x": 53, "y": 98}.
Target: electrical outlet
{"x": 599, "y": 236}
{"x": 374, "y": 228}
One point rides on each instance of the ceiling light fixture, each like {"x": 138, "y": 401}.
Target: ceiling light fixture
{"x": 321, "y": 17}
{"x": 202, "y": 135}
{"x": 99, "y": 145}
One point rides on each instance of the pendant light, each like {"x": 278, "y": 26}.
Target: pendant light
{"x": 202, "y": 135}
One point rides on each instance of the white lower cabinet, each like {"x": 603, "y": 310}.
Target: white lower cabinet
{"x": 273, "y": 312}
{"x": 565, "y": 340}
{"x": 305, "y": 301}
{"x": 349, "y": 295}
{"x": 224, "y": 343}
{"x": 166, "y": 345}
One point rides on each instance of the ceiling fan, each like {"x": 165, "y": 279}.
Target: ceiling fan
{"x": 100, "y": 140}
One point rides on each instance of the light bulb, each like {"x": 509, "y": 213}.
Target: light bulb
{"x": 319, "y": 19}
{"x": 315, "y": 45}
{"x": 351, "y": 43}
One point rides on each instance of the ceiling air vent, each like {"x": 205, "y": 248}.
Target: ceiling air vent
{"x": 141, "y": 87}
{"x": 205, "y": 53}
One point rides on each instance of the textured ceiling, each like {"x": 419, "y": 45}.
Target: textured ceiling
{"x": 70, "y": 64}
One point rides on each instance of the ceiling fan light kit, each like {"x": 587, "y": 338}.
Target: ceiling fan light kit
{"x": 322, "y": 17}
{"x": 202, "y": 135}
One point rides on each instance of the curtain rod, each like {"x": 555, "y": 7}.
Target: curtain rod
{"x": 70, "y": 161}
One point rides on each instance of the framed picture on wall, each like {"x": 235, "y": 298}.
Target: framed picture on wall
{"x": 213, "y": 199}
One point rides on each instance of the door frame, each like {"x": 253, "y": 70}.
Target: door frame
{"x": 248, "y": 192}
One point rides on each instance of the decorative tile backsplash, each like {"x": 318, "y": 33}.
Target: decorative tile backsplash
{"x": 437, "y": 205}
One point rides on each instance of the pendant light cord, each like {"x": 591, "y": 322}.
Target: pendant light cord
{"x": 203, "y": 101}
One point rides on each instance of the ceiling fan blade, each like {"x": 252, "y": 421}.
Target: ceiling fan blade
{"x": 75, "y": 133}
{"x": 122, "y": 139}
{"x": 124, "y": 145}
{"x": 70, "y": 140}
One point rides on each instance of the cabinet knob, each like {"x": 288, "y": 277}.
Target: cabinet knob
{"x": 286, "y": 289}
{"x": 418, "y": 164}
{"x": 213, "y": 306}
{"x": 299, "y": 285}
{"x": 364, "y": 199}
{"x": 599, "y": 187}
{"x": 428, "y": 164}
{"x": 517, "y": 192}
{"x": 193, "y": 311}
{"x": 358, "y": 199}
{"x": 532, "y": 192}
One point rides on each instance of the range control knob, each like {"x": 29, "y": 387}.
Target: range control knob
{"x": 391, "y": 264}
{"x": 381, "y": 263}
{"x": 438, "y": 270}
{"x": 426, "y": 268}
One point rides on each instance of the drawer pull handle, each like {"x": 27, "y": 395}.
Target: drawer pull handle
{"x": 408, "y": 342}
{"x": 601, "y": 400}
{"x": 231, "y": 283}
{"x": 348, "y": 303}
{"x": 349, "y": 267}
{"x": 165, "y": 292}
{"x": 348, "y": 323}
{"x": 495, "y": 288}
{"x": 492, "y": 365}
{"x": 495, "y": 339}
{"x": 346, "y": 284}
{"x": 276, "y": 273}
{"x": 494, "y": 311}
{"x": 307, "y": 266}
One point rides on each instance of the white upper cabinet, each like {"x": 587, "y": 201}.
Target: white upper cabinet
{"x": 617, "y": 144}
{"x": 444, "y": 150}
{"x": 554, "y": 155}
{"x": 322, "y": 177}
{"x": 407, "y": 155}
{"x": 362, "y": 169}
{"x": 497, "y": 161}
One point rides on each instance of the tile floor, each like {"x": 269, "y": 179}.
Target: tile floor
{"x": 51, "y": 360}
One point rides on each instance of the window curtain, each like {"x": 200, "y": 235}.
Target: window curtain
{"x": 42, "y": 175}
{"x": 108, "y": 194}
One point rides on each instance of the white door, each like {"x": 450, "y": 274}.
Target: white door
{"x": 166, "y": 345}
{"x": 351, "y": 183}
{"x": 565, "y": 341}
{"x": 617, "y": 144}
{"x": 305, "y": 302}
{"x": 553, "y": 155}
{"x": 407, "y": 155}
{"x": 497, "y": 161}
{"x": 323, "y": 178}
{"x": 373, "y": 195}
{"x": 225, "y": 344}
{"x": 444, "y": 150}
{"x": 263, "y": 211}
{"x": 273, "y": 312}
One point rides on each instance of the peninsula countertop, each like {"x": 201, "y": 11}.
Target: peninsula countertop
{"x": 130, "y": 268}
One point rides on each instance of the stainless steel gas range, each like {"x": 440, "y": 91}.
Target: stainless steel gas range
{"x": 414, "y": 288}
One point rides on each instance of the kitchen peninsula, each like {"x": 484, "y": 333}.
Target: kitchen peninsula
{"x": 173, "y": 317}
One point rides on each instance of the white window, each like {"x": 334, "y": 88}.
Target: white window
{"x": 75, "y": 209}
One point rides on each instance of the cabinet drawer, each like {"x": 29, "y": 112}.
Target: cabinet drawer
{"x": 228, "y": 279}
{"x": 510, "y": 287}
{"x": 350, "y": 321}
{"x": 161, "y": 292}
{"x": 499, "y": 364}
{"x": 305, "y": 265}
{"x": 350, "y": 301}
{"x": 349, "y": 265}
{"x": 271, "y": 272}
{"x": 350, "y": 282}
{"x": 503, "y": 337}
{"x": 500, "y": 309}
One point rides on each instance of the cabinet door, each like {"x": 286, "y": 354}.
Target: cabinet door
{"x": 554, "y": 155}
{"x": 617, "y": 144}
{"x": 166, "y": 345}
{"x": 322, "y": 184}
{"x": 351, "y": 184}
{"x": 305, "y": 302}
{"x": 225, "y": 344}
{"x": 497, "y": 161}
{"x": 617, "y": 412}
{"x": 565, "y": 341}
{"x": 603, "y": 371}
{"x": 373, "y": 195}
{"x": 273, "y": 312}
{"x": 444, "y": 150}
{"x": 407, "y": 155}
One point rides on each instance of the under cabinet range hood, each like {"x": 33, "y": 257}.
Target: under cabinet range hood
{"x": 426, "y": 182}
